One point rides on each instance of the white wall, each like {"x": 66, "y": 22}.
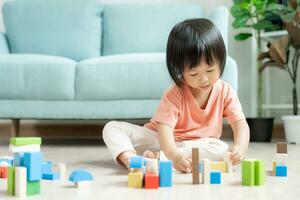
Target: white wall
{"x": 240, "y": 51}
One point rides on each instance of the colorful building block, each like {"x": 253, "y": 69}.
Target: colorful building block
{"x": 19, "y": 141}
{"x": 18, "y": 159}
{"x": 135, "y": 179}
{"x": 248, "y": 172}
{"x": 137, "y": 162}
{"x": 151, "y": 181}
{"x": 6, "y": 161}
{"x": 11, "y": 181}
{"x": 260, "y": 172}
{"x": 281, "y": 170}
{"x": 281, "y": 158}
{"x": 152, "y": 166}
{"x": 33, "y": 187}
{"x": 61, "y": 168}
{"x": 33, "y": 162}
{"x": 25, "y": 148}
{"x": 21, "y": 181}
{"x": 218, "y": 166}
{"x": 195, "y": 164}
{"x": 205, "y": 171}
{"x": 228, "y": 161}
{"x": 274, "y": 168}
{"x": 165, "y": 173}
{"x": 215, "y": 177}
{"x": 3, "y": 172}
{"x": 46, "y": 166}
{"x": 78, "y": 176}
{"x": 50, "y": 176}
{"x": 282, "y": 147}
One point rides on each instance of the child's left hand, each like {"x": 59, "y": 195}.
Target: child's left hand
{"x": 237, "y": 154}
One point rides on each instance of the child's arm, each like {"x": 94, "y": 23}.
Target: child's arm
{"x": 241, "y": 140}
{"x": 168, "y": 146}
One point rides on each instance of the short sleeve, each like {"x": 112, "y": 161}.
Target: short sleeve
{"x": 232, "y": 107}
{"x": 169, "y": 108}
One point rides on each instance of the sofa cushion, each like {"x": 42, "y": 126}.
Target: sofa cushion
{"x": 36, "y": 77}
{"x": 57, "y": 27}
{"x": 142, "y": 27}
{"x": 131, "y": 76}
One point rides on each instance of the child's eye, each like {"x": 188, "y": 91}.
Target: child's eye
{"x": 193, "y": 74}
{"x": 211, "y": 70}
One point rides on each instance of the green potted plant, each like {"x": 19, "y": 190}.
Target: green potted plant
{"x": 254, "y": 16}
{"x": 284, "y": 54}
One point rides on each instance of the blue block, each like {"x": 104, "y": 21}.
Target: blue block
{"x": 46, "y": 167}
{"x": 200, "y": 167}
{"x": 51, "y": 176}
{"x": 281, "y": 170}
{"x": 215, "y": 177}
{"x": 33, "y": 162}
{"x": 8, "y": 161}
{"x": 18, "y": 159}
{"x": 165, "y": 174}
{"x": 137, "y": 162}
{"x": 80, "y": 175}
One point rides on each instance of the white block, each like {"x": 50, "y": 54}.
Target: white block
{"x": 152, "y": 165}
{"x": 62, "y": 169}
{"x": 21, "y": 181}
{"x": 83, "y": 184}
{"x": 205, "y": 171}
{"x": 228, "y": 161}
{"x": 4, "y": 164}
{"x": 25, "y": 148}
{"x": 281, "y": 158}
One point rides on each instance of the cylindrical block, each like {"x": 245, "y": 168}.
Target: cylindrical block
{"x": 248, "y": 172}
{"x": 259, "y": 172}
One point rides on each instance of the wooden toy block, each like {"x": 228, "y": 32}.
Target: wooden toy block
{"x": 18, "y": 159}
{"x": 274, "y": 168}
{"x": 248, "y": 172}
{"x": 62, "y": 170}
{"x": 228, "y": 161}
{"x": 151, "y": 181}
{"x": 21, "y": 181}
{"x": 33, "y": 187}
{"x": 3, "y": 172}
{"x": 281, "y": 170}
{"x": 135, "y": 179}
{"x": 6, "y": 161}
{"x": 25, "y": 148}
{"x": 165, "y": 173}
{"x": 259, "y": 172}
{"x": 282, "y": 147}
{"x": 218, "y": 166}
{"x": 152, "y": 166}
{"x": 205, "y": 171}
{"x": 83, "y": 184}
{"x": 78, "y": 176}
{"x": 281, "y": 158}
{"x": 19, "y": 141}
{"x": 11, "y": 181}
{"x": 33, "y": 162}
{"x": 195, "y": 164}
{"x": 137, "y": 162}
{"x": 50, "y": 176}
{"x": 46, "y": 166}
{"x": 215, "y": 177}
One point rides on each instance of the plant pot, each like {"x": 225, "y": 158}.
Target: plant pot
{"x": 261, "y": 129}
{"x": 291, "y": 124}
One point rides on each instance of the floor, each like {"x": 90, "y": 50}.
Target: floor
{"x": 111, "y": 181}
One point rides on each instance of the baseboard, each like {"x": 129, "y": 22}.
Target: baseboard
{"x": 69, "y": 130}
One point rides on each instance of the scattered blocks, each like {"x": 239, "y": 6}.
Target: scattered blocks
{"x": 21, "y": 181}
{"x": 215, "y": 177}
{"x": 51, "y": 176}
{"x": 152, "y": 166}
{"x": 11, "y": 181}
{"x": 165, "y": 173}
{"x": 18, "y": 159}
{"x": 281, "y": 158}
{"x": 137, "y": 162}
{"x": 218, "y": 166}
{"x": 135, "y": 179}
{"x": 33, "y": 162}
{"x": 80, "y": 175}
{"x": 6, "y": 161}
{"x": 151, "y": 181}
{"x": 281, "y": 170}
{"x": 19, "y": 141}
{"x": 33, "y": 187}
{"x": 3, "y": 172}
{"x": 282, "y": 148}
{"x": 46, "y": 166}
{"x": 253, "y": 172}
{"x": 195, "y": 164}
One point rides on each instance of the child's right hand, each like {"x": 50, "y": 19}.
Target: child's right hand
{"x": 182, "y": 162}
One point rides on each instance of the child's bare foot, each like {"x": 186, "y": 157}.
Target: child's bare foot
{"x": 124, "y": 158}
{"x": 150, "y": 154}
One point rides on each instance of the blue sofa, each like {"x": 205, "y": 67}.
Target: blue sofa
{"x": 83, "y": 59}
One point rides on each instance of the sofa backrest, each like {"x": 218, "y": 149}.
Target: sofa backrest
{"x": 142, "y": 27}
{"x": 69, "y": 28}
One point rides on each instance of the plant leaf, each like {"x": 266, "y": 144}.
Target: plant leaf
{"x": 263, "y": 24}
{"x": 242, "y": 36}
{"x": 238, "y": 10}
{"x": 241, "y": 21}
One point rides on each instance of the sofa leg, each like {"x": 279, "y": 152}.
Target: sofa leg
{"x": 15, "y": 127}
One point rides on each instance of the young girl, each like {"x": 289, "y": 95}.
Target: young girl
{"x": 190, "y": 112}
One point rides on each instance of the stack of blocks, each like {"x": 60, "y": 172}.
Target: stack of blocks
{"x": 253, "y": 172}
{"x": 25, "y": 175}
{"x": 150, "y": 176}
{"x": 280, "y": 163}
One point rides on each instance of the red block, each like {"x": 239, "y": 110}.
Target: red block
{"x": 151, "y": 181}
{"x": 3, "y": 172}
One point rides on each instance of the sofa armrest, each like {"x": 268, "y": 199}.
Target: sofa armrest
{"x": 219, "y": 17}
{"x": 230, "y": 73}
{"x": 3, "y": 44}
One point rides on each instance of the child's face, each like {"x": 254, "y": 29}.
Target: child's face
{"x": 202, "y": 77}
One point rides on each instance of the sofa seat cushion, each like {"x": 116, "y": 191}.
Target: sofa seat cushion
{"x": 36, "y": 77}
{"x": 127, "y": 76}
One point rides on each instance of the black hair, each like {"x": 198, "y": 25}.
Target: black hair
{"x": 191, "y": 41}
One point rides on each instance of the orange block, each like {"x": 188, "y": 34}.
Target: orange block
{"x": 3, "y": 172}
{"x": 151, "y": 181}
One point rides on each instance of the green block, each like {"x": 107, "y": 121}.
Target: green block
{"x": 259, "y": 172}
{"x": 248, "y": 172}
{"x": 33, "y": 187}
{"x": 11, "y": 181}
{"x": 19, "y": 141}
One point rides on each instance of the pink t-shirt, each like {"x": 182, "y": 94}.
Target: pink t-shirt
{"x": 179, "y": 109}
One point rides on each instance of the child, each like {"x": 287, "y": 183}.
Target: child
{"x": 191, "y": 111}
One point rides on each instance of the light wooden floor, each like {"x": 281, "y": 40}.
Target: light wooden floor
{"x": 111, "y": 182}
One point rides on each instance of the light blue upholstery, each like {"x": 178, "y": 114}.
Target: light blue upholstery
{"x": 3, "y": 44}
{"x": 56, "y": 27}
{"x": 36, "y": 77}
{"x": 142, "y": 27}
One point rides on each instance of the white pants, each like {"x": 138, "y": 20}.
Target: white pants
{"x": 123, "y": 136}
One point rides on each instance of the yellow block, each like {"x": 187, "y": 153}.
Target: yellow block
{"x": 218, "y": 166}
{"x": 135, "y": 179}
{"x": 274, "y": 168}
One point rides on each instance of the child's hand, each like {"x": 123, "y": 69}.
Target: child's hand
{"x": 181, "y": 162}
{"x": 237, "y": 154}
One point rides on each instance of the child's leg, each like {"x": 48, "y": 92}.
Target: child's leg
{"x": 124, "y": 140}
{"x": 210, "y": 148}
